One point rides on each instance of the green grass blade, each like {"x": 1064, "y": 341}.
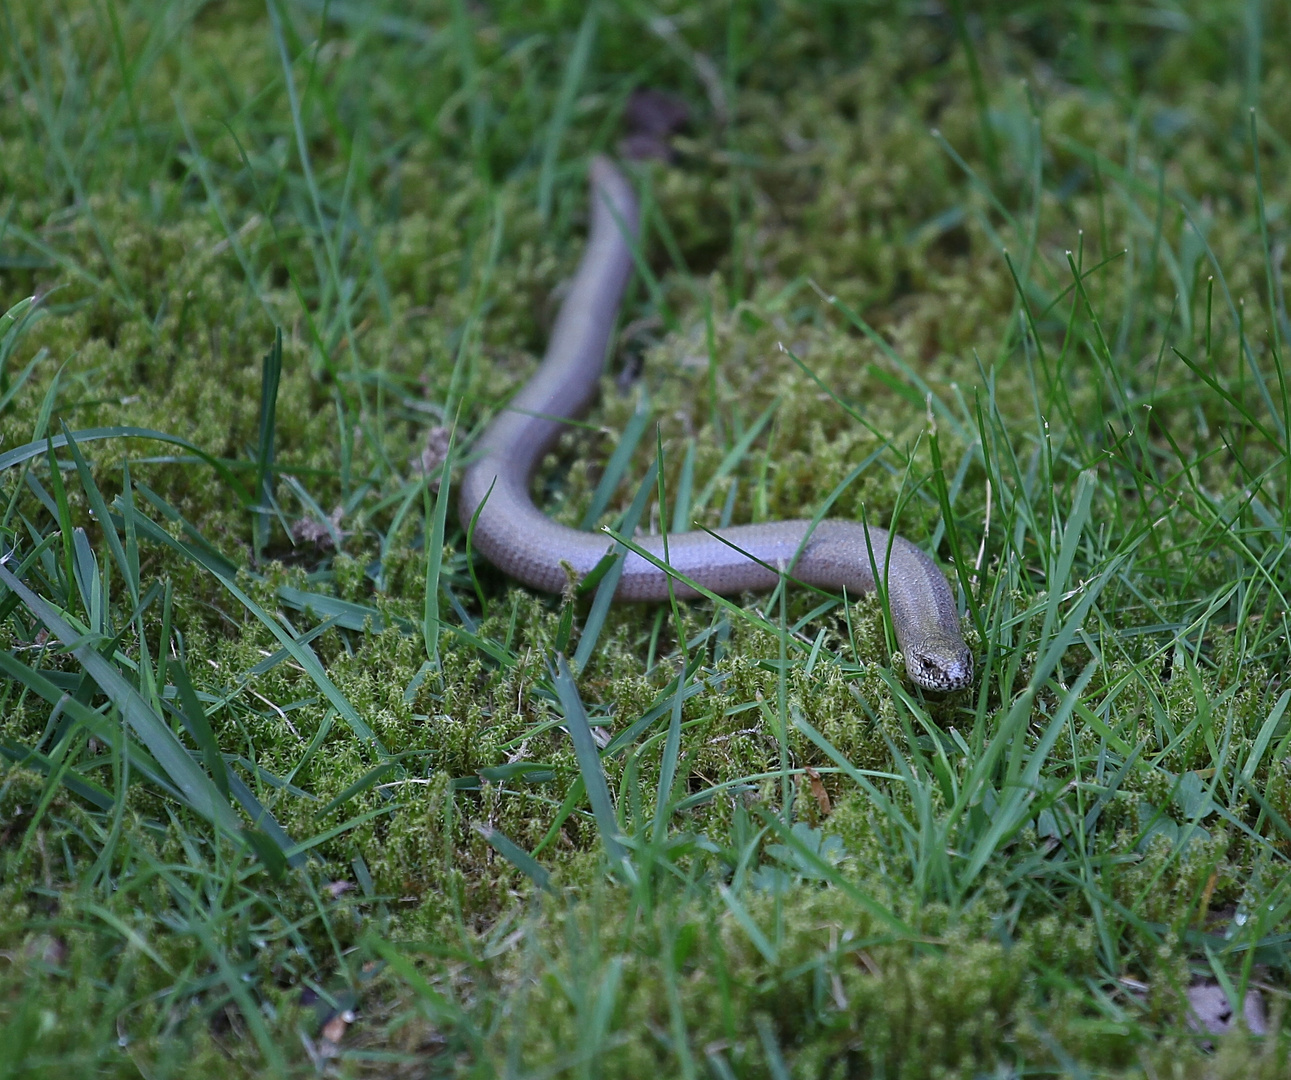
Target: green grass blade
{"x": 575, "y": 69}
{"x": 106, "y": 731}
{"x": 589, "y": 764}
{"x": 830, "y": 873}
{"x": 616, "y": 467}
{"x": 771, "y": 1052}
{"x": 100, "y": 508}
{"x": 926, "y": 395}
{"x": 1015, "y": 805}
{"x": 26, "y": 758}
{"x": 437, "y": 522}
{"x": 199, "y": 791}
{"x": 33, "y": 449}
{"x": 63, "y": 515}
{"x": 199, "y": 727}
{"x": 9, "y": 388}
{"x": 364, "y": 783}
{"x": 85, "y": 570}
{"x": 1265, "y": 735}
{"x": 609, "y": 582}
{"x": 1060, "y": 573}
{"x": 736, "y": 454}
{"x": 302, "y": 654}
{"x": 755, "y": 934}
{"x": 516, "y": 856}
{"x": 271, "y": 374}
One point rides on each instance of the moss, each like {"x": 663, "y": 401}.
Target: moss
{"x": 414, "y": 270}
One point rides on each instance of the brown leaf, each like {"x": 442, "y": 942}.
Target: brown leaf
{"x": 818, "y": 792}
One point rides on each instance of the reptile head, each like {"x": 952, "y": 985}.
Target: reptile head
{"x": 939, "y": 665}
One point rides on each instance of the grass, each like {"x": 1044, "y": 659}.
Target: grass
{"x": 293, "y": 785}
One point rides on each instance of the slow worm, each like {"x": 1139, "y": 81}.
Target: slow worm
{"x": 514, "y": 535}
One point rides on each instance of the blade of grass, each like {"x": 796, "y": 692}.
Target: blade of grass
{"x": 831, "y": 874}
{"x": 271, "y": 374}
{"x": 38, "y": 446}
{"x": 589, "y": 764}
{"x": 198, "y": 789}
{"x": 437, "y": 522}
{"x": 736, "y": 454}
{"x": 302, "y": 654}
{"x": 617, "y": 465}
{"x": 575, "y": 69}
{"x": 600, "y": 608}
{"x": 516, "y": 856}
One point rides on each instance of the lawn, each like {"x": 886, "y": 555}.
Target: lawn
{"x": 291, "y": 784}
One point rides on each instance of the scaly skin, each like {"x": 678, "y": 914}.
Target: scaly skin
{"x": 520, "y": 540}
